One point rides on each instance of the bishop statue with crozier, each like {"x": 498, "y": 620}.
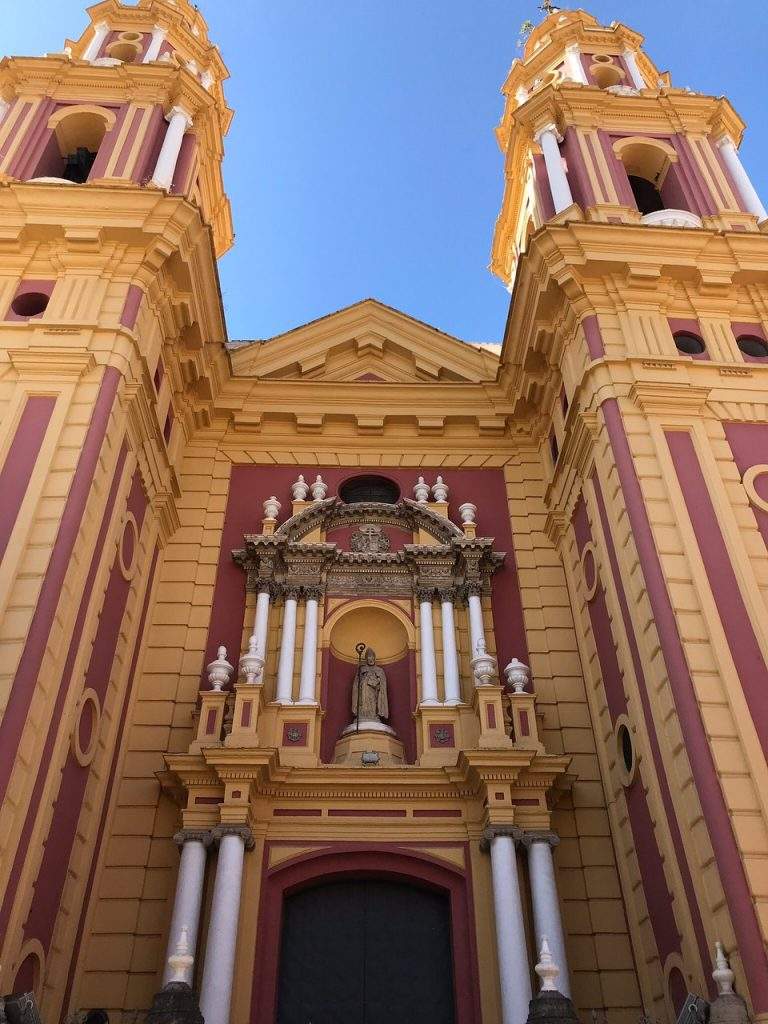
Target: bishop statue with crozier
{"x": 369, "y": 692}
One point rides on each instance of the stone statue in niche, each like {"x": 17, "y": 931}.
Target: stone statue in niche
{"x": 369, "y": 692}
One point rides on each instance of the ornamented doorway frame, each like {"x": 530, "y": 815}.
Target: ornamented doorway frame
{"x": 337, "y": 861}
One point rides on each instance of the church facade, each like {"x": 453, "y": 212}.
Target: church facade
{"x": 358, "y": 673}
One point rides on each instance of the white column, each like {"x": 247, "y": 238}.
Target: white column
{"x": 740, "y": 177}
{"x": 549, "y": 139}
{"x": 189, "y": 895}
{"x": 309, "y": 651}
{"x": 261, "y": 621}
{"x": 547, "y": 921}
{"x": 218, "y": 971}
{"x": 5, "y": 106}
{"x": 427, "y": 638}
{"x": 451, "y": 681}
{"x": 178, "y": 122}
{"x": 573, "y": 66}
{"x": 630, "y": 60}
{"x": 100, "y": 33}
{"x": 284, "y": 693}
{"x": 476, "y": 628}
{"x": 157, "y": 40}
{"x": 511, "y": 949}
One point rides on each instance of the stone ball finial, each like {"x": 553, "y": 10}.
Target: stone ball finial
{"x": 319, "y": 489}
{"x": 440, "y": 490}
{"x": 421, "y": 491}
{"x": 220, "y": 671}
{"x": 272, "y": 508}
{"x": 546, "y": 968}
{"x": 300, "y": 489}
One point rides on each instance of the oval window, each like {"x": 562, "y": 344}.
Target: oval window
{"x": 752, "y": 346}
{"x": 689, "y": 344}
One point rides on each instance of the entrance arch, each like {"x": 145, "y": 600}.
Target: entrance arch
{"x": 359, "y": 875}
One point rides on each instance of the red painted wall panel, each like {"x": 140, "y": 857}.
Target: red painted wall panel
{"x": 26, "y": 675}
{"x": 20, "y": 461}
{"x": 251, "y": 485}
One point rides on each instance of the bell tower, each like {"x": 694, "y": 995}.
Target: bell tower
{"x": 634, "y": 245}
{"x": 112, "y": 337}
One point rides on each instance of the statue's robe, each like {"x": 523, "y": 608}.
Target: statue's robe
{"x": 372, "y": 686}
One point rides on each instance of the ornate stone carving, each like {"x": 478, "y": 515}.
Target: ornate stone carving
{"x": 190, "y": 835}
{"x": 235, "y": 830}
{"x": 370, "y": 538}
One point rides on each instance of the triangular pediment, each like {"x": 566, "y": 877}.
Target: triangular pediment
{"x": 367, "y": 342}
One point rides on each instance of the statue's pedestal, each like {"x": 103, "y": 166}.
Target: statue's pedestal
{"x": 372, "y": 738}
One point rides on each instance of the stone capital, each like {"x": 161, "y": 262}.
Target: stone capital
{"x": 494, "y": 831}
{"x": 193, "y": 835}
{"x": 529, "y": 838}
{"x": 179, "y": 111}
{"x": 243, "y": 831}
{"x": 550, "y": 128}
{"x": 313, "y": 593}
{"x": 424, "y": 594}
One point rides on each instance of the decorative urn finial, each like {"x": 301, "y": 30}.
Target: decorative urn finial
{"x": 546, "y": 968}
{"x": 722, "y": 975}
{"x": 300, "y": 489}
{"x": 440, "y": 490}
{"x": 180, "y": 961}
{"x": 483, "y": 665}
{"x": 272, "y": 508}
{"x": 468, "y": 512}
{"x": 319, "y": 489}
{"x": 220, "y": 671}
{"x": 252, "y": 662}
{"x": 518, "y": 675}
{"x": 421, "y": 491}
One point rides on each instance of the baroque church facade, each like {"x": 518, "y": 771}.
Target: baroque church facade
{"x": 365, "y": 674}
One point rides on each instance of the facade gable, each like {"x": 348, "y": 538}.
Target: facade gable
{"x": 365, "y": 342}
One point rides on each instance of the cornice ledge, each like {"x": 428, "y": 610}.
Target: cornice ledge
{"x": 46, "y": 362}
{"x": 668, "y": 397}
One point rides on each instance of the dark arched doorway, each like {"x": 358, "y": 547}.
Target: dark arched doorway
{"x": 366, "y": 951}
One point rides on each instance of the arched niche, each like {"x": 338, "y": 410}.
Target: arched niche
{"x": 386, "y": 628}
{"x": 76, "y": 134}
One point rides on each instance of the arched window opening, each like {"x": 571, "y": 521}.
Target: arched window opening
{"x": 653, "y": 174}
{"x": 74, "y": 144}
{"x": 752, "y": 346}
{"x": 369, "y": 488}
{"x": 605, "y": 73}
{"x": 126, "y": 52}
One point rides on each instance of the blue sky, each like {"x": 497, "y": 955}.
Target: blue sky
{"x": 362, "y": 162}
